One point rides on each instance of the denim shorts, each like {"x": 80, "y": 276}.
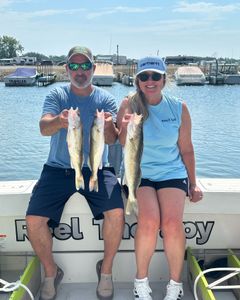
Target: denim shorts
{"x": 56, "y": 185}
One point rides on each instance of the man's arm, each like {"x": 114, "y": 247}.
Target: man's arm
{"x": 50, "y": 124}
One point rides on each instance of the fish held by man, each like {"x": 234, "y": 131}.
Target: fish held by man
{"x": 97, "y": 143}
{"x": 75, "y": 145}
{"x": 132, "y": 158}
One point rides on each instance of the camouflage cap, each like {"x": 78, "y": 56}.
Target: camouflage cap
{"x": 80, "y": 50}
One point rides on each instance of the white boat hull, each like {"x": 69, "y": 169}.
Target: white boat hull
{"x": 19, "y": 81}
{"x": 212, "y": 223}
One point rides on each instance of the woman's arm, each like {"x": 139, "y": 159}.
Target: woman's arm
{"x": 187, "y": 153}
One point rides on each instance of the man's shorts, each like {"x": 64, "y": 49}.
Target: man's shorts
{"x": 56, "y": 185}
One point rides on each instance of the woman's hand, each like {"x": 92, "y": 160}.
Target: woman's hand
{"x": 195, "y": 193}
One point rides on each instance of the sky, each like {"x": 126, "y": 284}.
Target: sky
{"x": 137, "y": 28}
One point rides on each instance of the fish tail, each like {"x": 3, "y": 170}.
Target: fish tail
{"x": 82, "y": 185}
{"x": 128, "y": 209}
{"x": 79, "y": 181}
{"x": 93, "y": 184}
{"x": 131, "y": 206}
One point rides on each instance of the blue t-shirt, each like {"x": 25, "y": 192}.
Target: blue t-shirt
{"x": 161, "y": 159}
{"x": 63, "y": 98}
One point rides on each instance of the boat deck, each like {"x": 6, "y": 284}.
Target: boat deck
{"x": 122, "y": 291}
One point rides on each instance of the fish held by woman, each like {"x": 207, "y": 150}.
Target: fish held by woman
{"x": 75, "y": 145}
{"x": 132, "y": 158}
{"x": 97, "y": 143}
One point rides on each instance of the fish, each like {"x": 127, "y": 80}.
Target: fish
{"x": 132, "y": 159}
{"x": 97, "y": 143}
{"x": 75, "y": 145}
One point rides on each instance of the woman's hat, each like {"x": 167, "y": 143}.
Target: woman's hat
{"x": 151, "y": 63}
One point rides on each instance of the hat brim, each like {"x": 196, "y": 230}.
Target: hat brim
{"x": 78, "y": 53}
{"x": 151, "y": 70}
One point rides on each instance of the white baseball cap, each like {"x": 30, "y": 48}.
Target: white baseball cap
{"x": 151, "y": 63}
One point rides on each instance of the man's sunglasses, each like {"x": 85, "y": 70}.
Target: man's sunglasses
{"x": 145, "y": 76}
{"x": 84, "y": 66}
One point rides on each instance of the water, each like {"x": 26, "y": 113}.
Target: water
{"x": 215, "y": 113}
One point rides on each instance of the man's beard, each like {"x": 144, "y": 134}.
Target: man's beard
{"x": 80, "y": 81}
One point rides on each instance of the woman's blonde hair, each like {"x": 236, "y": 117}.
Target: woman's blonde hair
{"x": 138, "y": 102}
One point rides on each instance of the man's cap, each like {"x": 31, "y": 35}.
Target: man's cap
{"x": 80, "y": 50}
{"x": 151, "y": 63}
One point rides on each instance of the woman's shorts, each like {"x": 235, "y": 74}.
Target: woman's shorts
{"x": 181, "y": 183}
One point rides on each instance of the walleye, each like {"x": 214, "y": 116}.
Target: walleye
{"x": 75, "y": 145}
{"x": 96, "y": 149}
{"x": 132, "y": 158}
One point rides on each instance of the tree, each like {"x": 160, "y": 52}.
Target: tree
{"x": 38, "y": 56}
{"x": 9, "y": 47}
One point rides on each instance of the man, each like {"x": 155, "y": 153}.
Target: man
{"x": 57, "y": 181}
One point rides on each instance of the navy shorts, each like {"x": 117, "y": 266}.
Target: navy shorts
{"x": 56, "y": 185}
{"x": 181, "y": 183}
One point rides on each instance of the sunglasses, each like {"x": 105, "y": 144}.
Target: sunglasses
{"x": 84, "y": 66}
{"x": 145, "y": 76}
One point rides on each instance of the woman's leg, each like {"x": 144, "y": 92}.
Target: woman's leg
{"x": 171, "y": 209}
{"x": 147, "y": 229}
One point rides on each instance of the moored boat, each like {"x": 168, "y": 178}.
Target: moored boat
{"x": 189, "y": 75}
{"x": 103, "y": 75}
{"x": 21, "y": 77}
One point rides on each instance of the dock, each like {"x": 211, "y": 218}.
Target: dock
{"x": 46, "y": 74}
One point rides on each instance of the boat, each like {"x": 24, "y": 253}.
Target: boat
{"x": 211, "y": 228}
{"x": 127, "y": 80}
{"x": 218, "y": 73}
{"x": 103, "y": 75}
{"x": 46, "y": 79}
{"x": 189, "y": 75}
{"x": 21, "y": 77}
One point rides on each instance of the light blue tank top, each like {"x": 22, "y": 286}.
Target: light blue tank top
{"x": 62, "y": 98}
{"x": 161, "y": 159}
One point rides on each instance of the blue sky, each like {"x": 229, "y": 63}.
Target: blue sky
{"x": 140, "y": 28}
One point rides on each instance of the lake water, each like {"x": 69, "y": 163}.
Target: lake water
{"x": 215, "y": 113}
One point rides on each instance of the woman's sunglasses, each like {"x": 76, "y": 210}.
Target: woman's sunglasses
{"x": 145, "y": 76}
{"x": 84, "y": 66}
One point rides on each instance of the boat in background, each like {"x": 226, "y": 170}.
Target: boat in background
{"x": 189, "y": 75}
{"x": 21, "y": 77}
{"x": 103, "y": 75}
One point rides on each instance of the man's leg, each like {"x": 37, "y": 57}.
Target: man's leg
{"x": 41, "y": 241}
{"x": 112, "y": 234}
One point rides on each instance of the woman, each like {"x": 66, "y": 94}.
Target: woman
{"x": 168, "y": 174}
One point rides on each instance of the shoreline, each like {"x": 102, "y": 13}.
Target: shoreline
{"x": 62, "y": 76}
